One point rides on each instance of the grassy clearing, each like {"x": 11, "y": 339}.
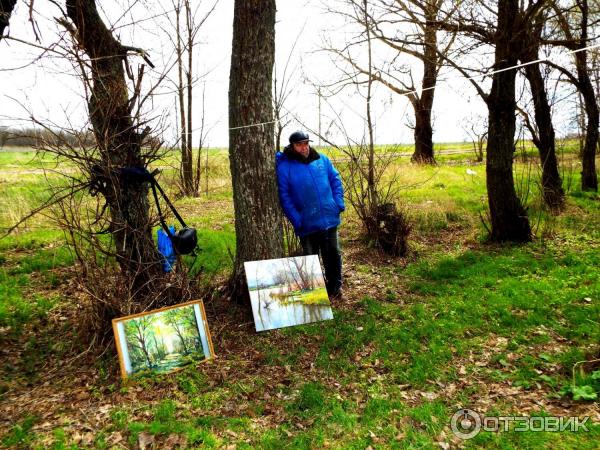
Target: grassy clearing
{"x": 16, "y": 308}
{"x": 18, "y": 158}
{"x": 460, "y": 323}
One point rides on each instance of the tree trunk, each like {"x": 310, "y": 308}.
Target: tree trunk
{"x": 423, "y": 134}
{"x": 258, "y": 220}
{"x": 183, "y": 89}
{"x": 589, "y": 178}
{"x": 189, "y": 173}
{"x": 120, "y": 146}
{"x": 423, "y": 106}
{"x": 552, "y": 190}
{"x": 6, "y": 8}
{"x": 509, "y": 218}
{"x": 371, "y": 188}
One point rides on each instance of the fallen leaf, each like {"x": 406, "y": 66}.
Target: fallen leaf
{"x": 145, "y": 440}
{"x": 400, "y": 436}
{"x": 114, "y": 438}
{"x": 429, "y": 395}
{"x": 172, "y": 441}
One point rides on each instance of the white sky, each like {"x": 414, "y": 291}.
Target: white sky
{"x": 51, "y": 91}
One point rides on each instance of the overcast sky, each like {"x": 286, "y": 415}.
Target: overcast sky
{"x": 50, "y": 89}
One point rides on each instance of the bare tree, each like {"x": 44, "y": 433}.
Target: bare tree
{"x": 409, "y": 28}
{"x": 110, "y": 233}
{"x": 119, "y": 142}
{"x": 573, "y": 35}
{"x": 505, "y": 28}
{"x": 257, "y": 212}
{"x": 186, "y": 39}
{"x": 542, "y": 134}
{"x": 477, "y": 128}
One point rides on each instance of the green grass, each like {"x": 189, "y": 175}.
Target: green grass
{"x": 43, "y": 260}
{"x": 216, "y": 251}
{"x": 16, "y": 158}
{"x": 16, "y": 310}
{"x": 20, "y": 435}
{"x": 451, "y": 315}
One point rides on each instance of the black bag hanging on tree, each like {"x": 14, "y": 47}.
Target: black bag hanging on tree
{"x": 184, "y": 240}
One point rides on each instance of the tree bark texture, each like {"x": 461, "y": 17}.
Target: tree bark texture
{"x": 6, "y": 8}
{"x": 552, "y": 190}
{"x": 258, "y": 219}
{"x": 119, "y": 144}
{"x": 509, "y": 218}
{"x": 185, "y": 169}
{"x": 423, "y": 133}
{"x": 189, "y": 174}
{"x": 589, "y": 178}
{"x": 424, "y": 105}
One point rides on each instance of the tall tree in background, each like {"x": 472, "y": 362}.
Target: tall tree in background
{"x": 183, "y": 88}
{"x": 506, "y": 33}
{"x": 543, "y": 137}
{"x": 186, "y": 35}
{"x": 567, "y": 23}
{"x": 409, "y": 28}
{"x": 258, "y": 217}
{"x": 415, "y": 34}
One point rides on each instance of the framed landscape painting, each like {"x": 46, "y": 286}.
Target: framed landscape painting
{"x": 286, "y": 292}
{"x": 162, "y": 340}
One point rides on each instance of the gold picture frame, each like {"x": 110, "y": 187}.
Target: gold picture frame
{"x": 162, "y": 340}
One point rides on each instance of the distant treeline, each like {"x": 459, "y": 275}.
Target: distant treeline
{"x": 36, "y": 137}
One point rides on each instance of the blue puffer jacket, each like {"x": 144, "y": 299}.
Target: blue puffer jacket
{"x": 310, "y": 191}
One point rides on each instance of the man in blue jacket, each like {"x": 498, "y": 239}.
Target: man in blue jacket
{"x": 312, "y": 198}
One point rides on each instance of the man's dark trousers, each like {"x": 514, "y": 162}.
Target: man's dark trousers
{"x": 326, "y": 243}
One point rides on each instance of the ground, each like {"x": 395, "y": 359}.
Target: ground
{"x": 458, "y": 323}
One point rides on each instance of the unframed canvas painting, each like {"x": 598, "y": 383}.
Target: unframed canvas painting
{"x": 162, "y": 340}
{"x": 286, "y": 292}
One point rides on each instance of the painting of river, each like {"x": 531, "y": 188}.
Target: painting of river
{"x": 286, "y": 292}
{"x": 162, "y": 340}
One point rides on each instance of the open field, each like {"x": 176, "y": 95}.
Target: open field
{"x": 502, "y": 330}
